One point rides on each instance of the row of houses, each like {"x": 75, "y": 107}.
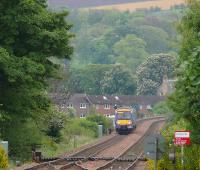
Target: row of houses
{"x": 83, "y": 104}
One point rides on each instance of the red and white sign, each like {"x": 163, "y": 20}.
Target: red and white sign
{"x": 182, "y": 137}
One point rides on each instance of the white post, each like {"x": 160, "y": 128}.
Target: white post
{"x": 156, "y": 154}
{"x": 182, "y": 156}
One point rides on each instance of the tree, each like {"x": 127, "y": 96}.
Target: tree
{"x": 186, "y": 99}
{"x": 130, "y": 51}
{"x": 118, "y": 80}
{"x": 88, "y": 79}
{"x": 54, "y": 123}
{"x": 30, "y": 35}
{"x": 150, "y": 73}
{"x": 157, "y": 40}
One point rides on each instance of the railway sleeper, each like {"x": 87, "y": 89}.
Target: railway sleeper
{"x": 101, "y": 158}
{"x": 75, "y": 158}
{"x": 48, "y": 159}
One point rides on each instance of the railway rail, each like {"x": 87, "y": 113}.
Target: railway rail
{"x": 135, "y": 152}
{"x": 100, "y": 156}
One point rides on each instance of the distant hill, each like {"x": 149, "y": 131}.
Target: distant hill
{"x": 148, "y": 4}
{"x": 114, "y": 4}
{"x": 88, "y": 3}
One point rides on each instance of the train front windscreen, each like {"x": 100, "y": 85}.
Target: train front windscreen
{"x": 123, "y": 115}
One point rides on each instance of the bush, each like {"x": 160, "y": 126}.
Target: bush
{"x": 54, "y": 123}
{"x": 3, "y": 159}
{"x": 80, "y": 127}
{"x": 191, "y": 153}
{"x": 22, "y": 138}
{"x": 100, "y": 120}
{"x": 161, "y": 109}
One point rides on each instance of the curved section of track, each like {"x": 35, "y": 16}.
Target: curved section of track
{"x": 106, "y": 154}
{"x": 133, "y": 155}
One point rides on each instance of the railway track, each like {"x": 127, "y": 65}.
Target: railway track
{"x": 101, "y": 156}
{"x": 134, "y": 153}
{"x": 84, "y": 154}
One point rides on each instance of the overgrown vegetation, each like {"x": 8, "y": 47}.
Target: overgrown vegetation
{"x": 191, "y": 153}
{"x": 109, "y": 48}
{"x": 111, "y": 45}
{"x": 150, "y": 73}
{"x": 30, "y": 35}
{"x": 3, "y": 159}
{"x": 185, "y": 101}
{"x": 76, "y": 132}
{"x": 161, "y": 108}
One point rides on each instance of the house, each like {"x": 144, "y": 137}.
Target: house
{"x": 83, "y": 104}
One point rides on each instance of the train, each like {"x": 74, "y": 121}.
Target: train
{"x": 125, "y": 120}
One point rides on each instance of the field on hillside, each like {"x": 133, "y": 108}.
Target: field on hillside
{"x": 74, "y": 4}
{"x": 163, "y": 4}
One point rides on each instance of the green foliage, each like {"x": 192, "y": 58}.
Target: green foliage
{"x": 80, "y": 127}
{"x": 97, "y": 32}
{"x": 30, "y": 35}
{"x": 118, "y": 80}
{"x": 130, "y": 51}
{"x": 150, "y": 73}
{"x": 71, "y": 113}
{"x": 161, "y": 109}
{"x": 21, "y": 139}
{"x": 101, "y": 79}
{"x": 100, "y": 120}
{"x": 54, "y": 122}
{"x": 3, "y": 159}
{"x": 157, "y": 40}
{"x": 113, "y": 37}
{"x": 191, "y": 153}
{"x": 186, "y": 99}
{"x": 87, "y": 79}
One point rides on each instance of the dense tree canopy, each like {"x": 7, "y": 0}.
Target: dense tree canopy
{"x": 186, "y": 99}
{"x": 108, "y": 37}
{"x": 102, "y": 79}
{"x": 118, "y": 80}
{"x": 130, "y": 51}
{"x": 150, "y": 73}
{"x": 30, "y": 34}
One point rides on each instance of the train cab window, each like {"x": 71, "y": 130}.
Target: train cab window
{"x": 124, "y": 115}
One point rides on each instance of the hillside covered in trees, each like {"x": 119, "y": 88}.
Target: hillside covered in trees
{"x": 110, "y": 45}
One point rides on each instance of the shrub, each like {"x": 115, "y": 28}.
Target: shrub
{"x": 80, "y": 127}
{"x": 100, "y": 120}
{"x": 3, "y": 159}
{"x": 161, "y": 108}
{"x": 54, "y": 122}
{"x": 22, "y": 138}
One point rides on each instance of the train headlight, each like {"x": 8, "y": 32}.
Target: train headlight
{"x": 129, "y": 122}
{"x": 118, "y": 122}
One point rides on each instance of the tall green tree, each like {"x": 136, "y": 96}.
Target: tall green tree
{"x": 150, "y": 73}
{"x": 186, "y": 99}
{"x": 118, "y": 80}
{"x": 130, "y": 51}
{"x": 30, "y": 34}
{"x": 88, "y": 79}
